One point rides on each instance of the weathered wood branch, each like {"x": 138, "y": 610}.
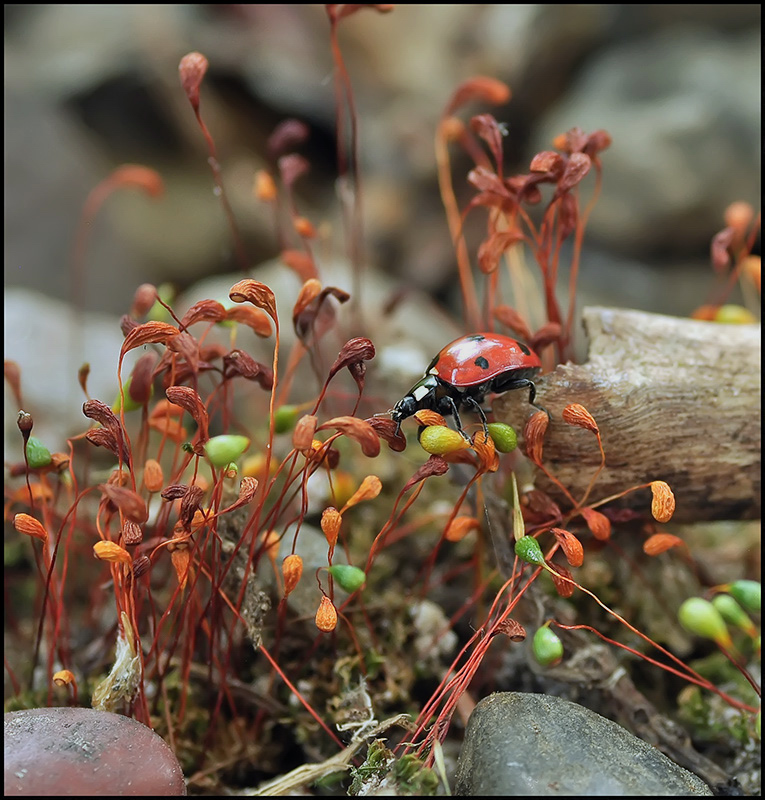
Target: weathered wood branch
{"x": 677, "y": 400}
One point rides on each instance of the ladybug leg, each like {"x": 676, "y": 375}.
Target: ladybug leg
{"x": 520, "y": 384}
{"x": 448, "y": 406}
{"x": 472, "y": 403}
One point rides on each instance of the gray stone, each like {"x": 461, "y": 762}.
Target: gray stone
{"x": 58, "y": 752}
{"x": 683, "y": 109}
{"x": 50, "y": 342}
{"x": 534, "y": 744}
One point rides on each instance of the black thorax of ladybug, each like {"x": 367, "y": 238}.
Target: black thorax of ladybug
{"x": 465, "y": 371}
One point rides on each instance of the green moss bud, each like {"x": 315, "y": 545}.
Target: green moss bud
{"x": 130, "y": 404}
{"x": 503, "y": 436}
{"x": 439, "y": 440}
{"x": 285, "y": 418}
{"x": 733, "y": 614}
{"x": 158, "y": 312}
{"x": 527, "y": 549}
{"x": 221, "y": 450}
{"x": 700, "y": 617}
{"x": 748, "y": 593}
{"x": 730, "y": 314}
{"x": 38, "y": 454}
{"x": 348, "y": 578}
{"x": 547, "y": 647}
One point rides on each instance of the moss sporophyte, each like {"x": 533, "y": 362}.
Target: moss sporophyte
{"x": 244, "y": 531}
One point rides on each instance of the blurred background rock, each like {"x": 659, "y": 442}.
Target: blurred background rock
{"x": 90, "y": 87}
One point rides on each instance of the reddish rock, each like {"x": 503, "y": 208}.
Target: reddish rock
{"x": 56, "y": 752}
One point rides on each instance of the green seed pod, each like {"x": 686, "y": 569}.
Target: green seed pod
{"x": 439, "y": 440}
{"x": 547, "y": 647}
{"x": 503, "y": 436}
{"x": 285, "y": 418}
{"x": 349, "y": 578}
{"x": 221, "y": 450}
{"x": 38, "y": 454}
{"x": 226, "y": 323}
{"x": 130, "y": 404}
{"x": 732, "y": 613}
{"x": 731, "y": 314}
{"x": 158, "y": 312}
{"x": 699, "y": 616}
{"x": 748, "y": 593}
{"x": 527, "y": 549}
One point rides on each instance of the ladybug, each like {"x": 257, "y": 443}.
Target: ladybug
{"x": 465, "y": 371}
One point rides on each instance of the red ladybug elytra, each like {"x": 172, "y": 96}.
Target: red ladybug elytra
{"x": 465, "y": 371}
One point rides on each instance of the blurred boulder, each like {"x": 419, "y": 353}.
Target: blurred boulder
{"x": 682, "y": 106}
{"x": 50, "y": 342}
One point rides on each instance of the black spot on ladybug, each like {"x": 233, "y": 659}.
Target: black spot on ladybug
{"x": 526, "y": 350}
{"x": 475, "y": 337}
{"x": 481, "y": 362}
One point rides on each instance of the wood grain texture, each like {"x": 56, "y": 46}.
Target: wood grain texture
{"x": 677, "y": 400}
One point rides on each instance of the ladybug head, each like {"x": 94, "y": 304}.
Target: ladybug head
{"x": 421, "y": 395}
{"x": 405, "y": 407}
